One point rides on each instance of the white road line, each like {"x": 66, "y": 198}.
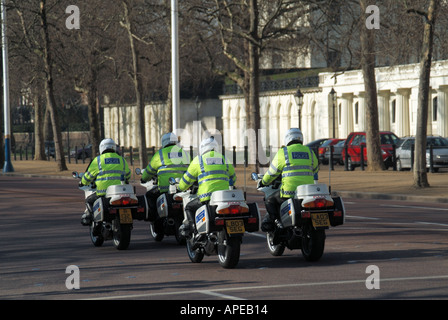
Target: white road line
{"x": 413, "y": 207}
{"x": 220, "y": 295}
{"x": 279, "y": 286}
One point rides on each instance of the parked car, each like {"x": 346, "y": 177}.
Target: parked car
{"x": 337, "y": 152}
{"x": 326, "y": 147}
{"x": 85, "y": 152}
{"x": 356, "y": 140}
{"x": 439, "y": 151}
{"x": 314, "y": 145}
{"x": 49, "y": 149}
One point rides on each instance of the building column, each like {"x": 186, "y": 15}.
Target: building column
{"x": 442, "y": 109}
{"x": 402, "y": 121}
{"x": 359, "y": 97}
{"x": 346, "y": 114}
{"x": 383, "y": 110}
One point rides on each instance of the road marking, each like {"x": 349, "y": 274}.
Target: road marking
{"x": 220, "y": 295}
{"x": 413, "y": 207}
{"x": 279, "y": 286}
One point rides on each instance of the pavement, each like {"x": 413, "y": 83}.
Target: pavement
{"x": 388, "y": 184}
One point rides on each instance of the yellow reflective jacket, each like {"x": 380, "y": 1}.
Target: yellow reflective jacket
{"x": 212, "y": 171}
{"x": 297, "y": 164}
{"x": 170, "y": 161}
{"x": 106, "y": 170}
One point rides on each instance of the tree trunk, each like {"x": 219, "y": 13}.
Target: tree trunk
{"x": 254, "y": 84}
{"x": 49, "y": 89}
{"x": 138, "y": 87}
{"x": 420, "y": 175}
{"x": 39, "y": 144}
{"x": 373, "y": 143}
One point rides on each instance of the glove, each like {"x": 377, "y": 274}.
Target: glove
{"x": 142, "y": 181}
{"x": 80, "y": 184}
{"x": 260, "y": 184}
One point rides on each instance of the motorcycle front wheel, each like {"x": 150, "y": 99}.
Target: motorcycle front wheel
{"x": 156, "y": 236}
{"x": 313, "y": 243}
{"x": 229, "y": 250}
{"x": 95, "y": 236}
{"x": 195, "y": 255}
{"x": 275, "y": 249}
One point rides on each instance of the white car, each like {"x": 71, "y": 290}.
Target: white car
{"x": 439, "y": 151}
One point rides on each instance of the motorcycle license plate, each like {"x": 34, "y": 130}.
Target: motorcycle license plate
{"x": 125, "y": 216}
{"x": 320, "y": 220}
{"x": 235, "y": 226}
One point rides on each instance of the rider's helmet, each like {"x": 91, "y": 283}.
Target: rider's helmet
{"x": 294, "y": 135}
{"x": 208, "y": 144}
{"x": 108, "y": 145}
{"x": 168, "y": 139}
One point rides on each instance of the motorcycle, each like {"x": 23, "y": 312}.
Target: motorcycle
{"x": 169, "y": 210}
{"x": 114, "y": 213}
{"x": 303, "y": 218}
{"x": 219, "y": 225}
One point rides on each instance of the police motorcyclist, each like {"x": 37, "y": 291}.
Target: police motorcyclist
{"x": 170, "y": 161}
{"x": 107, "y": 169}
{"x": 213, "y": 172}
{"x": 297, "y": 164}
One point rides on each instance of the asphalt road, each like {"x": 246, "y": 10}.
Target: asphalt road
{"x": 402, "y": 245}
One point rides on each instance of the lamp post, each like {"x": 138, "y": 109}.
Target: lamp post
{"x": 298, "y": 97}
{"x": 7, "y": 167}
{"x": 333, "y": 97}
{"x": 198, "y": 123}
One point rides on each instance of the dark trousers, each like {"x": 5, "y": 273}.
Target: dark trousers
{"x": 90, "y": 201}
{"x": 152, "y": 196}
{"x": 273, "y": 203}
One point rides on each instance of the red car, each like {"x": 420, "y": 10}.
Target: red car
{"x": 354, "y": 142}
{"x": 324, "y": 148}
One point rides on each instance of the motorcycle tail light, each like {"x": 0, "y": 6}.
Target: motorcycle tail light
{"x": 125, "y": 201}
{"x": 219, "y": 222}
{"x": 252, "y": 220}
{"x": 233, "y": 209}
{"x": 319, "y": 203}
{"x": 177, "y": 198}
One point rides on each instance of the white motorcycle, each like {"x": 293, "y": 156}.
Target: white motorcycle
{"x": 219, "y": 226}
{"x": 303, "y": 218}
{"x": 113, "y": 214}
{"x": 169, "y": 210}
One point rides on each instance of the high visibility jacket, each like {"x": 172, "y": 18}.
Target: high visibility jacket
{"x": 212, "y": 171}
{"x": 106, "y": 170}
{"x": 297, "y": 164}
{"x": 168, "y": 162}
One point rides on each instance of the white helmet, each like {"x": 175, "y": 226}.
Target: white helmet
{"x": 293, "y": 134}
{"x": 168, "y": 139}
{"x": 107, "y": 144}
{"x": 208, "y": 144}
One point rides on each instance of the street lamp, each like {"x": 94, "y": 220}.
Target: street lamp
{"x": 333, "y": 97}
{"x": 298, "y": 96}
{"x": 198, "y": 123}
{"x": 198, "y": 106}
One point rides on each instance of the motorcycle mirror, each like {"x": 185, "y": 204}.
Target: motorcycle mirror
{"x": 138, "y": 171}
{"x": 254, "y": 176}
{"x": 75, "y": 174}
{"x": 172, "y": 181}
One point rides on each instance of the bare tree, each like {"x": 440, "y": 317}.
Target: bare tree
{"x": 373, "y": 143}
{"x": 429, "y": 17}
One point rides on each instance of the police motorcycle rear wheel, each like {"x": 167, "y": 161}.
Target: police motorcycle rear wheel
{"x": 121, "y": 235}
{"x": 313, "y": 243}
{"x": 228, "y": 250}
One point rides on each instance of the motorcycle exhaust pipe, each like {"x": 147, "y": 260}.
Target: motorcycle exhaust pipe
{"x": 170, "y": 222}
{"x": 213, "y": 238}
